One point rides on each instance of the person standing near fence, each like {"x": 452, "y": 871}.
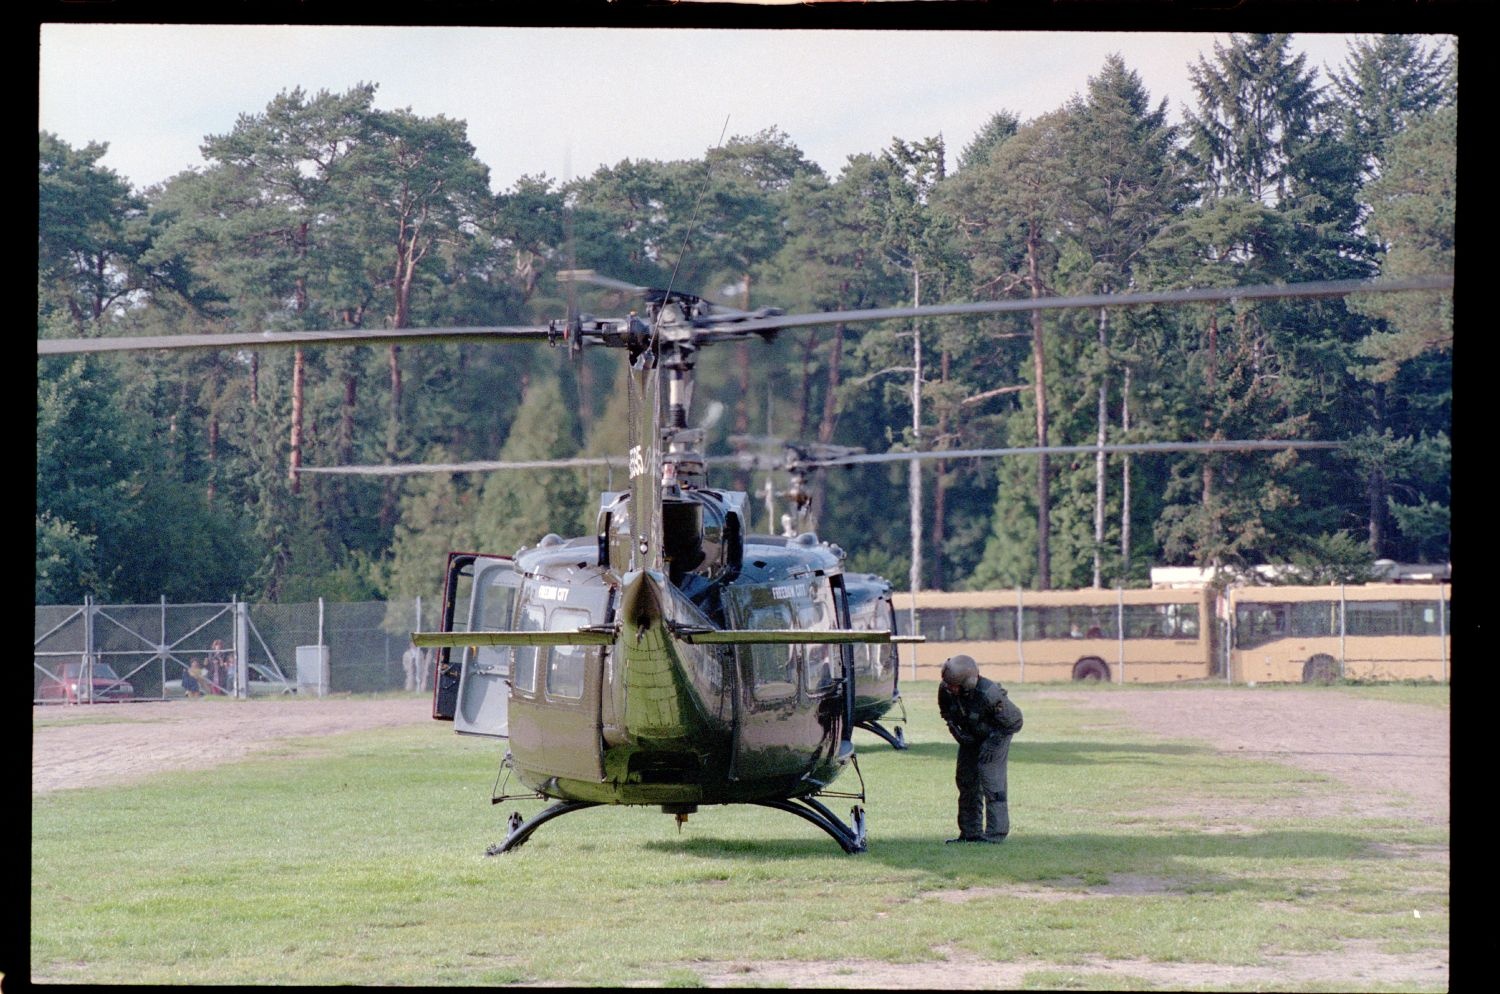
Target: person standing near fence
{"x": 218, "y": 673}
{"x": 192, "y": 680}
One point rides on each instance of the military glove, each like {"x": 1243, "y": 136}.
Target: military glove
{"x": 989, "y": 751}
{"x": 959, "y": 735}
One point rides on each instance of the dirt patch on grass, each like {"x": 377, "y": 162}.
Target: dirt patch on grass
{"x": 95, "y": 745}
{"x": 1393, "y": 758}
{"x": 1359, "y": 965}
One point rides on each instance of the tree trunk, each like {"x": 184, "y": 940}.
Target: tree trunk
{"x": 392, "y": 439}
{"x": 914, "y": 479}
{"x": 1043, "y": 464}
{"x": 298, "y": 372}
{"x": 1377, "y": 483}
{"x": 940, "y": 489}
{"x": 1125, "y": 477}
{"x": 1208, "y": 426}
{"x": 213, "y": 456}
{"x": 346, "y": 418}
{"x": 830, "y": 417}
{"x": 1099, "y": 457}
{"x": 742, "y": 400}
{"x": 804, "y": 390}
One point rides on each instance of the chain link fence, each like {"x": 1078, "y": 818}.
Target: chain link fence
{"x": 103, "y": 652}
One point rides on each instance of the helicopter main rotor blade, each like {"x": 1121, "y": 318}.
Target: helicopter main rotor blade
{"x": 482, "y": 466}
{"x": 1270, "y": 291}
{"x": 759, "y": 463}
{"x": 589, "y": 276}
{"x": 1236, "y": 445}
{"x": 717, "y": 310}
{"x": 283, "y": 339}
{"x": 727, "y": 323}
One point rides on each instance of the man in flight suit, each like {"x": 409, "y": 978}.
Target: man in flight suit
{"x": 981, "y": 718}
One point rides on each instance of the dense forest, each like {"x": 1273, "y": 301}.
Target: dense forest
{"x": 175, "y": 475}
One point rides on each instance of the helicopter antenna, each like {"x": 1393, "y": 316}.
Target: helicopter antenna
{"x": 653, "y": 475}
{"x": 697, "y": 204}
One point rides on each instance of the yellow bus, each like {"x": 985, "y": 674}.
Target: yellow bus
{"x": 1378, "y": 631}
{"x": 1019, "y": 636}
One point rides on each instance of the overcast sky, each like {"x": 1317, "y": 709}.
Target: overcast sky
{"x": 564, "y": 101}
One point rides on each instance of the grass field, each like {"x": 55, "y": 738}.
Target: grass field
{"x": 358, "y": 859}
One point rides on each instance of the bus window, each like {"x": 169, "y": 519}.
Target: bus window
{"x": 1048, "y": 623}
{"x": 1310, "y": 619}
{"x": 1375, "y": 618}
{"x": 1182, "y": 620}
{"x": 942, "y": 624}
{"x": 1161, "y": 621}
{"x": 1257, "y": 624}
{"x": 1095, "y": 622}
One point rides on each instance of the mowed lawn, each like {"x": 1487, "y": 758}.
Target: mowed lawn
{"x": 358, "y": 859}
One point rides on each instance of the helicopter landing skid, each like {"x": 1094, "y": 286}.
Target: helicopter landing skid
{"x": 852, "y": 839}
{"x": 897, "y": 739}
{"x": 520, "y": 830}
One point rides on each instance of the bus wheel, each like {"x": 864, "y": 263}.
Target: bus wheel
{"x": 1091, "y": 669}
{"x": 1321, "y": 668}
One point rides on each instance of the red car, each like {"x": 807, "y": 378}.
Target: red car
{"x": 68, "y": 685}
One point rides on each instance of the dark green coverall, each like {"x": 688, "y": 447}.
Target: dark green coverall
{"x": 982, "y": 721}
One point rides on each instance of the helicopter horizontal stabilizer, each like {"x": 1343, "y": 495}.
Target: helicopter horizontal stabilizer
{"x": 594, "y": 635}
{"x": 786, "y": 636}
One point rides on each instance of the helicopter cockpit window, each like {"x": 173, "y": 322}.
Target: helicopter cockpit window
{"x": 565, "y": 663}
{"x": 533, "y": 619}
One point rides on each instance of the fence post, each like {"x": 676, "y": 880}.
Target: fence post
{"x": 915, "y": 630}
{"x": 323, "y": 683}
{"x": 241, "y": 648}
{"x": 86, "y": 671}
{"x": 1343, "y": 629}
{"x": 1120, "y": 627}
{"x": 1020, "y": 636}
{"x": 1442, "y": 606}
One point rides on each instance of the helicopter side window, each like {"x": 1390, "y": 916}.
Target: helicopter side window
{"x": 565, "y": 663}
{"x": 775, "y": 666}
{"x": 818, "y": 674}
{"x": 533, "y": 619}
{"x": 494, "y": 602}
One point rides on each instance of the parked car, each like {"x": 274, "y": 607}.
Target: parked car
{"x": 261, "y": 681}
{"x": 68, "y": 685}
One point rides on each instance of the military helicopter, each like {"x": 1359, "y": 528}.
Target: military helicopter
{"x": 877, "y": 670}
{"x": 674, "y": 658}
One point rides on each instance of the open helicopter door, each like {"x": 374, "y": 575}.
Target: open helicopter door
{"x": 474, "y": 688}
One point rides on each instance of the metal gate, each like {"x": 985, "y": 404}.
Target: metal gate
{"x": 142, "y": 652}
